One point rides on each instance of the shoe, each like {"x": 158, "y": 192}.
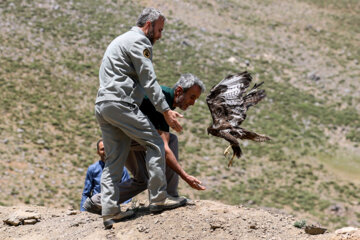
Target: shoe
{"x": 110, "y": 220}
{"x": 167, "y": 203}
{"x": 189, "y": 201}
{"x": 91, "y": 207}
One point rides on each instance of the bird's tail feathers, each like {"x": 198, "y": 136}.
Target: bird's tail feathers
{"x": 237, "y": 150}
{"x": 262, "y": 138}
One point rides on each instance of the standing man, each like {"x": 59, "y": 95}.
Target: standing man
{"x": 126, "y": 75}
{"x": 92, "y": 181}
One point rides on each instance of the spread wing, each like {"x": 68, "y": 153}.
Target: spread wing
{"x": 228, "y": 103}
{"x": 225, "y": 100}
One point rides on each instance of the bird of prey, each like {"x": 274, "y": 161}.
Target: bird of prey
{"x": 228, "y": 103}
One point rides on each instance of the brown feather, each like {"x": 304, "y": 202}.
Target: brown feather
{"x": 228, "y": 103}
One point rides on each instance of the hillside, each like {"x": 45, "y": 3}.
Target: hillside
{"x": 205, "y": 220}
{"x": 307, "y": 53}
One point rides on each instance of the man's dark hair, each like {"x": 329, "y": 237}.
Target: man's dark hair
{"x": 98, "y": 143}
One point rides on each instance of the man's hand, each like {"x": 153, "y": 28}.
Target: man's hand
{"x": 194, "y": 183}
{"x": 170, "y": 118}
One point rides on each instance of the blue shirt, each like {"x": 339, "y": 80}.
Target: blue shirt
{"x": 92, "y": 181}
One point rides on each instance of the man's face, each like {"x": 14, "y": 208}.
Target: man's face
{"x": 101, "y": 151}
{"x": 184, "y": 100}
{"x": 155, "y": 31}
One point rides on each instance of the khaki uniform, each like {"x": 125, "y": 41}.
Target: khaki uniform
{"x": 125, "y": 75}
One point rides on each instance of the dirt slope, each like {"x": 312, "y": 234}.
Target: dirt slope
{"x": 204, "y": 220}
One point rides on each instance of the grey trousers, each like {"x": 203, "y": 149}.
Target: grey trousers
{"x": 121, "y": 122}
{"x": 136, "y": 165}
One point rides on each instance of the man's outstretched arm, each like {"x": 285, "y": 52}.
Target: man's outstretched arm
{"x": 174, "y": 165}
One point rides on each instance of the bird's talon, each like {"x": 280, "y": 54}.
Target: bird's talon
{"x": 227, "y": 150}
{"x": 231, "y": 160}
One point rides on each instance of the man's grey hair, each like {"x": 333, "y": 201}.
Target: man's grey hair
{"x": 149, "y": 14}
{"x": 188, "y": 80}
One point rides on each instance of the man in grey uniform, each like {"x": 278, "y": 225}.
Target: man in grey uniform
{"x": 125, "y": 75}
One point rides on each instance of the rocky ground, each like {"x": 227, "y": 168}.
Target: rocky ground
{"x": 202, "y": 220}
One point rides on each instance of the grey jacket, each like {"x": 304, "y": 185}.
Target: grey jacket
{"x": 127, "y": 73}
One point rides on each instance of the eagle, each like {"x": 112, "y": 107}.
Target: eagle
{"x": 228, "y": 103}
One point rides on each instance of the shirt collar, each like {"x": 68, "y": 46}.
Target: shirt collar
{"x": 102, "y": 164}
{"x": 138, "y": 30}
{"x": 172, "y": 96}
